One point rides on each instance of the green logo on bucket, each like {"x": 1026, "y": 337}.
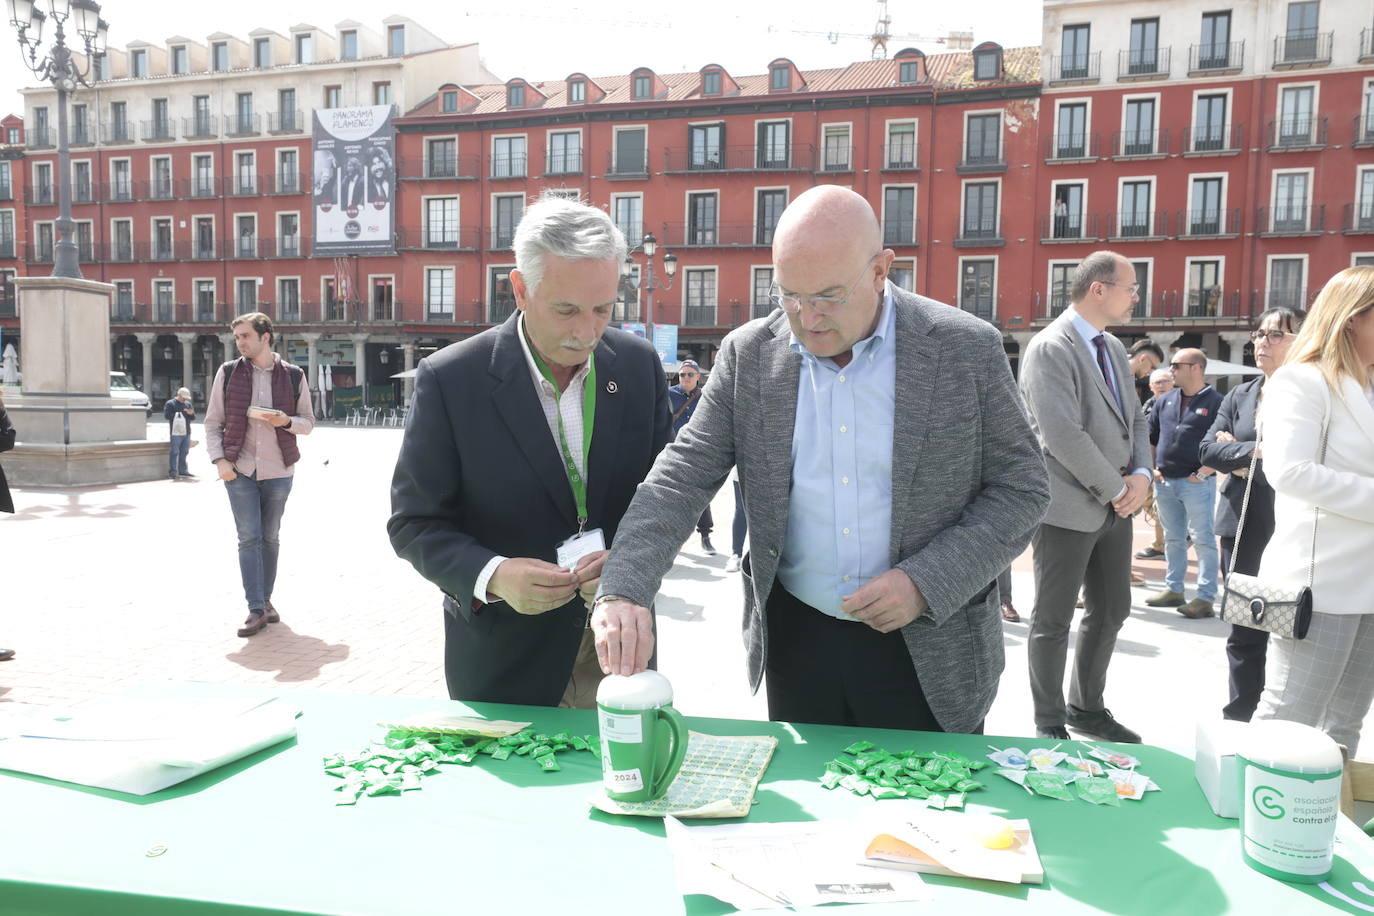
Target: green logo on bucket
{"x": 1265, "y": 803}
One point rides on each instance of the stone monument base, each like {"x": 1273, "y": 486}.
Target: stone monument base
{"x": 83, "y": 464}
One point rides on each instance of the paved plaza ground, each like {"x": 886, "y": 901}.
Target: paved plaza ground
{"x": 106, "y": 587}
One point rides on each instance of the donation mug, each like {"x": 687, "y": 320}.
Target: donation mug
{"x": 1290, "y": 783}
{"x": 643, "y": 738}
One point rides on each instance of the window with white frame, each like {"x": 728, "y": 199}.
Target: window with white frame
{"x": 1297, "y": 110}
{"x": 245, "y": 173}
{"x": 577, "y": 91}
{"x": 508, "y": 157}
{"x": 983, "y": 139}
{"x": 289, "y": 298}
{"x": 1071, "y": 135}
{"x": 774, "y": 149}
{"x": 702, "y": 211}
{"x": 441, "y": 157}
{"x": 288, "y": 171}
{"x": 699, "y": 297}
{"x": 246, "y": 235}
{"x": 383, "y": 299}
{"x": 305, "y": 48}
{"x": 1364, "y": 200}
{"x": 122, "y": 240}
{"x": 162, "y": 239}
{"x": 980, "y": 210}
{"x": 247, "y": 289}
{"x": 1134, "y": 220}
{"x": 1067, "y": 218}
{"x": 180, "y": 60}
{"x": 631, "y": 151}
{"x": 162, "y": 177}
{"x": 288, "y": 235}
{"x": 901, "y": 145}
{"x": 42, "y": 182}
{"x": 565, "y": 152}
{"x": 204, "y": 229}
{"x": 439, "y": 291}
{"x": 768, "y": 207}
{"x": 441, "y": 222}
{"x": 978, "y": 287}
{"x": 164, "y": 300}
{"x": 902, "y": 274}
{"x": 1205, "y": 215}
{"x": 899, "y": 216}
{"x": 1287, "y": 283}
{"x": 506, "y": 212}
{"x": 1138, "y": 138}
{"x": 204, "y": 293}
{"x": 1061, "y": 285}
{"x": 262, "y": 52}
{"x": 628, "y": 214}
{"x": 81, "y": 181}
{"x": 761, "y": 300}
{"x": 1204, "y": 287}
{"x": 837, "y": 148}
{"x": 500, "y": 295}
{"x": 1291, "y": 197}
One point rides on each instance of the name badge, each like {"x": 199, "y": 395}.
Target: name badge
{"x": 571, "y": 551}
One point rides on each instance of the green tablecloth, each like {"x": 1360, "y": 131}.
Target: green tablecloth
{"x": 264, "y": 836}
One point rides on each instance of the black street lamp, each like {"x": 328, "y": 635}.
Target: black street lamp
{"x": 649, "y": 245}
{"x": 60, "y": 68}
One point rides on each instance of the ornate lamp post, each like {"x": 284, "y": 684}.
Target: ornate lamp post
{"x": 649, "y": 245}
{"x": 58, "y": 66}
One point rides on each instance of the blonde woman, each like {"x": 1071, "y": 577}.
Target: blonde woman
{"x": 1325, "y": 390}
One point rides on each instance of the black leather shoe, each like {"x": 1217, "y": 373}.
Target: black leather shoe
{"x": 1051, "y": 732}
{"x": 6, "y": 654}
{"x": 271, "y": 613}
{"x": 706, "y": 546}
{"x": 1100, "y": 725}
{"x": 255, "y": 622}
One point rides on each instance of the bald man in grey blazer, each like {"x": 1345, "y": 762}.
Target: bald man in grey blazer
{"x": 1080, "y": 390}
{"x": 889, "y": 474}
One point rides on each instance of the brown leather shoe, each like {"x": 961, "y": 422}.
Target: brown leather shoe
{"x": 1009, "y": 613}
{"x": 254, "y": 623}
{"x": 271, "y": 613}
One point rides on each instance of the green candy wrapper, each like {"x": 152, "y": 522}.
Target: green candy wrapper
{"x": 858, "y": 747}
{"x": 1049, "y": 785}
{"x": 936, "y": 802}
{"x": 502, "y": 752}
{"x": 548, "y": 763}
{"x": 888, "y": 792}
{"x": 1097, "y": 790}
{"x": 830, "y": 779}
{"x": 954, "y": 800}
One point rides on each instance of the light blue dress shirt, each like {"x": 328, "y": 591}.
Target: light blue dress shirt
{"x": 839, "y": 514}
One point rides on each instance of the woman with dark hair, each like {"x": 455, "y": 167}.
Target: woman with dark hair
{"x": 1228, "y": 447}
{"x": 1317, "y": 431}
{"x": 6, "y": 503}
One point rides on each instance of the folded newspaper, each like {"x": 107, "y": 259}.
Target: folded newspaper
{"x": 140, "y": 745}
{"x": 718, "y": 778}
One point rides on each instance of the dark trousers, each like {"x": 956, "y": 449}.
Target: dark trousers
{"x": 1246, "y": 648}
{"x": 1100, "y": 561}
{"x": 839, "y": 672}
{"x": 705, "y": 523}
{"x": 741, "y": 526}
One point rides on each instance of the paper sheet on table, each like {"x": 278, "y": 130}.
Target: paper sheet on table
{"x": 764, "y": 866}
{"x": 140, "y": 745}
{"x": 719, "y": 778}
{"x": 947, "y": 844}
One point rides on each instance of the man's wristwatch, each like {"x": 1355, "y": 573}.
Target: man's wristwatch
{"x": 605, "y": 598}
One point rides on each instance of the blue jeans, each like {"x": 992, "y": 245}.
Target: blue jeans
{"x": 176, "y": 455}
{"x": 258, "y": 506}
{"x": 1187, "y": 508}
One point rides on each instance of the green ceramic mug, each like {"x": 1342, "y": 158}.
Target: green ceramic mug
{"x": 643, "y": 738}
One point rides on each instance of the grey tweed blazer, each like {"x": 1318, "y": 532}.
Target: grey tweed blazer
{"x": 968, "y": 487}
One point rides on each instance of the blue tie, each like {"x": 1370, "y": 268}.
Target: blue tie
{"x": 1105, "y": 365}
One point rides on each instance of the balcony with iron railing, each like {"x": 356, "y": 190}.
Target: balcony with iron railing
{"x": 1358, "y": 217}
{"x": 978, "y": 232}
{"x": 1291, "y": 220}
{"x": 1216, "y": 58}
{"x": 1208, "y": 223}
{"x": 621, "y": 165}
{"x": 501, "y": 238}
{"x": 282, "y": 183}
{"x": 1068, "y": 227}
{"x": 512, "y": 166}
{"x": 767, "y": 157}
{"x": 699, "y": 316}
{"x": 6, "y": 190}
{"x": 714, "y": 235}
{"x": 500, "y": 308}
{"x": 38, "y": 253}
{"x": 1288, "y": 297}
{"x": 1131, "y": 144}
{"x": 455, "y": 238}
{"x": 982, "y": 162}
{"x": 902, "y": 156}
{"x": 1366, "y": 45}
{"x": 1075, "y": 68}
{"x": 81, "y": 132}
{"x": 1143, "y": 64}
{"x": 158, "y": 189}
{"x": 1138, "y": 225}
{"x": 39, "y": 194}
{"x": 1362, "y": 131}
{"x": 1302, "y": 49}
{"x": 200, "y": 187}
{"x": 465, "y": 167}
{"x": 901, "y": 232}
{"x": 242, "y": 125}
{"x": 113, "y": 132}
{"x": 1212, "y": 302}
{"x": 246, "y": 185}
{"x": 634, "y": 232}
{"x": 1075, "y": 146}
{"x": 285, "y": 121}
{"x": 1294, "y": 134}
{"x": 836, "y": 159}
{"x": 7, "y": 248}
{"x": 761, "y": 309}
{"x": 40, "y": 137}
{"x": 1213, "y": 139}
{"x": 563, "y": 162}
{"x": 199, "y": 127}
{"x": 158, "y": 131}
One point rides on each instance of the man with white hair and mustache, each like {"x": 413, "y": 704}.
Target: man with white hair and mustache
{"x": 523, "y": 448}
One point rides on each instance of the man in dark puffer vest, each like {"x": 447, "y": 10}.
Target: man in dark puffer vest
{"x": 258, "y": 406}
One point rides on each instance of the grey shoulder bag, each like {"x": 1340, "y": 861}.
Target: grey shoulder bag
{"x": 1250, "y": 602}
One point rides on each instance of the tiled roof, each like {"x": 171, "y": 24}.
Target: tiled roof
{"x": 946, "y": 71}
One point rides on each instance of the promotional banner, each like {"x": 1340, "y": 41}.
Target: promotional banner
{"x": 354, "y": 181}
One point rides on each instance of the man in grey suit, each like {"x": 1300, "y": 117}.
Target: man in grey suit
{"x": 888, "y": 473}
{"x": 1078, "y": 385}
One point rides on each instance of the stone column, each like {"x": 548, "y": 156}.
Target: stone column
{"x": 408, "y": 350}
{"x": 1022, "y": 338}
{"x": 360, "y": 362}
{"x": 147, "y": 340}
{"x": 188, "y": 343}
{"x": 312, "y": 370}
{"x": 1235, "y": 342}
{"x": 1165, "y": 340}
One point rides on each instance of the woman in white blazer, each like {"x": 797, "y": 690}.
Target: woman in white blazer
{"x": 1327, "y": 382}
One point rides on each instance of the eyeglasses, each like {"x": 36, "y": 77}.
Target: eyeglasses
{"x": 1133, "y": 288}
{"x": 1273, "y": 336}
{"x": 686, "y": 375}
{"x": 824, "y": 305}
{"x": 1180, "y": 365}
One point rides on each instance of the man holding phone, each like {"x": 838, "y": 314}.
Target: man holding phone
{"x": 258, "y": 405}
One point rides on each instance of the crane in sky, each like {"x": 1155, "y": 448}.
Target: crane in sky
{"x": 882, "y": 34}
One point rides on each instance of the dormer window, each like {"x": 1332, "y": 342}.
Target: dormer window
{"x": 138, "y": 64}
{"x": 710, "y": 83}
{"x": 515, "y": 96}
{"x": 986, "y": 65}
{"x": 305, "y": 48}
{"x": 348, "y": 45}
{"x": 643, "y": 87}
{"x": 219, "y": 55}
{"x": 577, "y": 91}
{"x": 450, "y": 102}
{"x": 180, "y": 61}
{"x": 908, "y": 71}
{"x": 779, "y": 78}
{"x": 262, "y": 52}
{"x": 396, "y": 40}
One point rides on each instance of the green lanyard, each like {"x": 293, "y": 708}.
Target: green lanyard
{"x": 575, "y": 478}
